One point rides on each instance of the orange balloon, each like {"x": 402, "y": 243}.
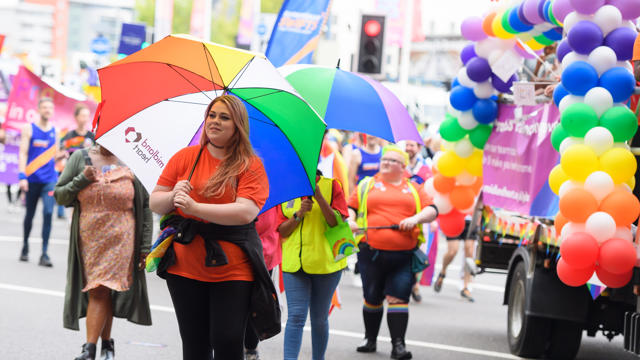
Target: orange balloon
{"x": 622, "y": 206}
{"x": 487, "y": 24}
{"x": 444, "y": 184}
{"x": 462, "y": 197}
{"x": 477, "y": 186}
{"x": 577, "y": 204}
{"x": 559, "y": 223}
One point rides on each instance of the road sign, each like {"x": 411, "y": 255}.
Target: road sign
{"x": 100, "y": 45}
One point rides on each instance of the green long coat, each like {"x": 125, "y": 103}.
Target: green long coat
{"x": 132, "y": 304}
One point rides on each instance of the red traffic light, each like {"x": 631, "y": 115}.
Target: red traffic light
{"x": 372, "y": 28}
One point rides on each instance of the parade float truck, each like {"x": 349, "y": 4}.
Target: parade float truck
{"x": 515, "y": 233}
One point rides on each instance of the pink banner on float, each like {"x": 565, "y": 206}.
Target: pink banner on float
{"x": 200, "y": 25}
{"x": 518, "y": 158}
{"x": 26, "y": 91}
{"x": 245, "y": 26}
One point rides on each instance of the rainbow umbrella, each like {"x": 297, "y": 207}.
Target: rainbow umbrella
{"x": 153, "y": 104}
{"x": 351, "y": 101}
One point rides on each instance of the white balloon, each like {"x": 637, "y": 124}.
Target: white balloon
{"x": 467, "y": 121}
{"x": 623, "y": 232}
{"x": 573, "y": 18}
{"x": 602, "y": 59}
{"x": 624, "y": 187}
{"x": 600, "y": 99}
{"x": 446, "y": 145}
{"x": 465, "y": 179}
{"x": 506, "y": 44}
{"x": 442, "y": 203}
{"x": 572, "y": 57}
{"x": 630, "y": 25}
{"x": 622, "y": 145}
{"x": 599, "y": 184}
{"x": 525, "y": 36}
{"x": 485, "y": 47}
{"x": 494, "y": 56}
{"x": 571, "y": 228}
{"x": 568, "y": 142}
{"x": 463, "y": 78}
{"x": 599, "y": 139}
{"x": 608, "y": 18}
{"x": 483, "y": 90}
{"x": 601, "y": 226}
{"x": 568, "y": 101}
{"x": 463, "y": 148}
{"x": 566, "y": 186}
{"x": 429, "y": 188}
{"x": 625, "y": 64}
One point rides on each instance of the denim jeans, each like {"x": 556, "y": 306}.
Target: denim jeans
{"x": 308, "y": 293}
{"x": 37, "y": 191}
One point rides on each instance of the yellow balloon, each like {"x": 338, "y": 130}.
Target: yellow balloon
{"x": 474, "y": 163}
{"x": 631, "y": 182}
{"x": 498, "y": 30}
{"x": 579, "y": 161}
{"x": 450, "y": 164}
{"x": 557, "y": 177}
{"x": 534, "y": 45}
{"x": 619, "y": 163}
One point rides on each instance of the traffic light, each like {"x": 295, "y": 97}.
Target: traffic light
{"x": 371, "y": 44}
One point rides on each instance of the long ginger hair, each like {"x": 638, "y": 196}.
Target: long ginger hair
{"x": 239, "y": 149}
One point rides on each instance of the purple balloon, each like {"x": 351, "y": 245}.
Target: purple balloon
{"x": 501, "y": 86}
{"x": 584, "y": 37}
{"x": 468, "y": 53}
{"x": 478, "y": 69}
{"x": 561, "y": 8}
{"x": 563, "y": 49}
{"x": 522, "y": 17}
{"x": 630, "y": 9}
{"x": 541, "y": 10}
{"x": 587, "y": 7}
{"x": 471, "y": 29}
{"x": 621, "y": 41}
{"x": 530, "y": 10}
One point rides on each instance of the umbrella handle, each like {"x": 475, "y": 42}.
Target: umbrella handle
{"x": 195, "y": 163}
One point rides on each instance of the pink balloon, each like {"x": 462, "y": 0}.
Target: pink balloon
{"x": 530, "y": 11}
{"x": 580, "y": 250}
{"x": 587, "y": 7}
{"x": 630, "y": 9}
{"x": 471, "y": 29}
{"x": 561, "y": 8}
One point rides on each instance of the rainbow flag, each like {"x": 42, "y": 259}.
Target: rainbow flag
{"x": 160, "y": 246}
{"x": 595, "y": 290}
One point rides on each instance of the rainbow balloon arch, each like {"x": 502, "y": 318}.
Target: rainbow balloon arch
{"x": 595, "y": 177}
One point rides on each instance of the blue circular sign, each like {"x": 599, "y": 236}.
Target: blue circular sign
{"x": 262, "y": 29}
{"x": 100, "y": 46}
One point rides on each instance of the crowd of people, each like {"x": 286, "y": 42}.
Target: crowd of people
{"x": 219, "y": 263}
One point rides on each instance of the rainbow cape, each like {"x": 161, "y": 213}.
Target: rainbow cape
{"x": 160, "y": 246}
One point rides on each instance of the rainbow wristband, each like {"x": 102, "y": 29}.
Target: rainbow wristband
{"x": 22, "y": 176}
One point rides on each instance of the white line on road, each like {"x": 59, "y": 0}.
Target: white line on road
{"x": 35, "y": 240}
{"x": 351, "y": 334}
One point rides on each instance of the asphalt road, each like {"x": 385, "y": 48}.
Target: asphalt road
{"x": 442, "y": 326}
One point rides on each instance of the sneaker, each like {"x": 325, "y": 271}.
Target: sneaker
{"x": 470, "y": 266}
{"x": 45, "y": 261}
{"x": 24, "y": 257}
{"x": 466, "y": 294}
{"x": 437, "y": 286}
{"x": 251, "y": 355}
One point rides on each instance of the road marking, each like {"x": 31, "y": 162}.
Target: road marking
{"x": 343, "y": 333}
{"x": 35, "y": 240}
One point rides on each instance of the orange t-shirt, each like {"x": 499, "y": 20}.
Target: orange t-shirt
{"x": 389, "y": 204}
{"x": 252, "y": 184}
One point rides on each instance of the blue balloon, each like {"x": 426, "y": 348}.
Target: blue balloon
{"x": 485, "y": 111}
{"x": 516, "y": 23}
{"x": 579, "y": 77}
{"x": 554, "y": 34}
{"x": 455, "y": 82}
{"x": 620, "y": 83}
{"x": 462, "y": 98}
{"x": 559, "y": 93}
{"x": 545, "y": 11}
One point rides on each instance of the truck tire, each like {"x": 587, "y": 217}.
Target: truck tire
{"x": 565, "y": 340}
{"x": 527, "y": 334}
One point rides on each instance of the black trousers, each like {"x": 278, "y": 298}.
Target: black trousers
{"x": 212, "y": 317}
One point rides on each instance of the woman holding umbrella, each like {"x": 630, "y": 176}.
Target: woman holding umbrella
{"x": 214, "y": 268}
{"x": 385, "y": 256}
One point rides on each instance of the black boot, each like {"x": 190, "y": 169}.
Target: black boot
{"x": 367, "y": 346}
{"x": 398, "y": 351}
{"x": 88, "y": 352}
{"x": 107, "y": 350}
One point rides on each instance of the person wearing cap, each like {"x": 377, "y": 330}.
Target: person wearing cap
{"x": 385, "y": 256}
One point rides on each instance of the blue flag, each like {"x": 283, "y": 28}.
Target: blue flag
{"x": 296, "y": 31}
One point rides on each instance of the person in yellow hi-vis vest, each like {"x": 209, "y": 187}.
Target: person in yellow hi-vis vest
{"x": 390, "y": 210}
{"x": 310, "y": 273}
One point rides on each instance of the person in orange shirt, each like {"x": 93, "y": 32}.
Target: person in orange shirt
{"x": 214, "y": 268}
{"x": 385, "y": 256}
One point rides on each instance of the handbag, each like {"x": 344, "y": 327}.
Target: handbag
{"x": 341, "y": 240}
{"x": 419, "y": 261}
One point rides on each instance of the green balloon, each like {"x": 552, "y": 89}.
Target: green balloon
{"x": 505, "y": 23}
{"x": 557, "y": 136}
{"x": 578, "y": 119}
{"x": 621, "y": 122}
{"x": 543, "y": 40}
{"x": 451, "y": 130}
{"x": 479, "y": 135}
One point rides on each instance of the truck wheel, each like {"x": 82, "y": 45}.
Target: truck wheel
{"x": 527, "y": 334}
{"x": 565, "y": 340}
